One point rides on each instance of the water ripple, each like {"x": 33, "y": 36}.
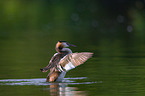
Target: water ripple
{"x": 41, "y": 81}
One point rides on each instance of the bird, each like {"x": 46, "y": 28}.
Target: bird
{"x": 63, "y": 61}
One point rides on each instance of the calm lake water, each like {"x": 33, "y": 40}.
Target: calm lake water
{"x": 113, "y": 30}
{"x": 115, "y": 72}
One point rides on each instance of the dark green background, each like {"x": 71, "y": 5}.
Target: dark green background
{"x": 113, "y": 30}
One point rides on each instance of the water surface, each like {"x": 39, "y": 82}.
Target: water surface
{"x": 60, "y": 88}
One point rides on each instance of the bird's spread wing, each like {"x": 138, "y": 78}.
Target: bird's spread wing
{"x": 73, "y": 60}
{"x": 53, "y": 62}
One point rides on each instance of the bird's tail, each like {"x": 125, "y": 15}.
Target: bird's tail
{"x": 45, "y": 69}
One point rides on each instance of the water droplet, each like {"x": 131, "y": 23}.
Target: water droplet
{"x": 129, "y": 28}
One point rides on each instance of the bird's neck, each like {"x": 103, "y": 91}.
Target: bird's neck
{"x": 64, "y": 50}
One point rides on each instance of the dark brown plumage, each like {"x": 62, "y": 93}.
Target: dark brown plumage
{"x": 63, "y": 61}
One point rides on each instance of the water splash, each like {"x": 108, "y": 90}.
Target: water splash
{"x": 42, "y": 81}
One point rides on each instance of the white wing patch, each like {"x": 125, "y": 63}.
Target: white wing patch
{"x": 69, "y": 66}
{"x": 73, "y": 60}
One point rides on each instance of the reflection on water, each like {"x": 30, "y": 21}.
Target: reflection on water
{"x": 54, "y": 88}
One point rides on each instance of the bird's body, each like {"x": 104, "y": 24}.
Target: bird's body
{"x": 63, "y": 61}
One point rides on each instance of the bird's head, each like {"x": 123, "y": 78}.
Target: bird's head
{"x": 63, "y": 44}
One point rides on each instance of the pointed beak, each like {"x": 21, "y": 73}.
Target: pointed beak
{"x": 71, "y": 45}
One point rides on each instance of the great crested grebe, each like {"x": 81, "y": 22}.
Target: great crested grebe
{"x": 63, "y": 61}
